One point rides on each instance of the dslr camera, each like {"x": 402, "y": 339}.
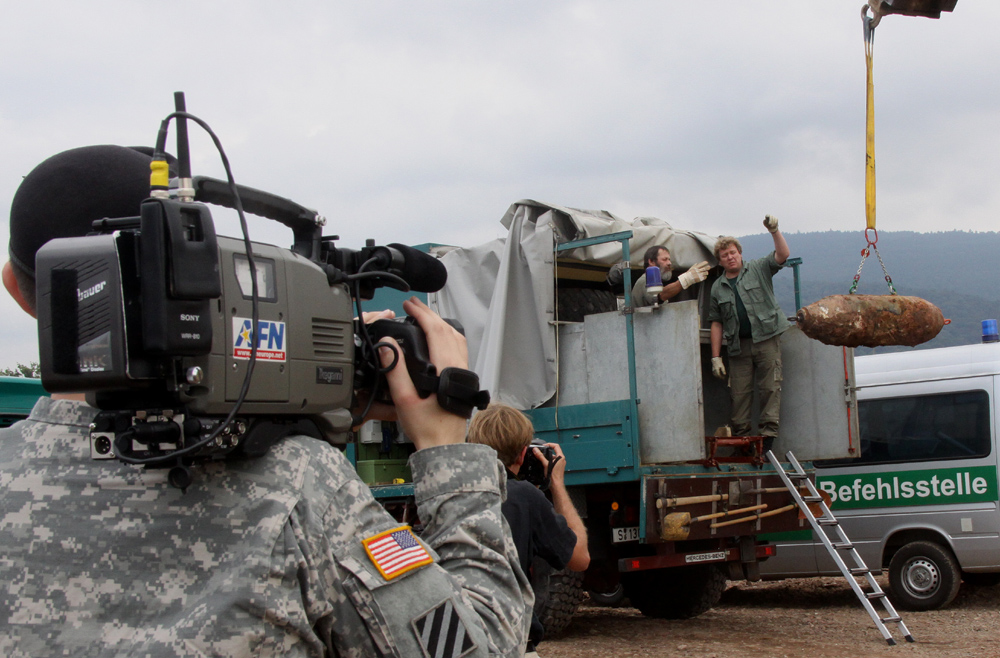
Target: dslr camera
{"x": 532, "y": 469}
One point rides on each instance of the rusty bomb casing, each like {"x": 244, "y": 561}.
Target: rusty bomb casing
{"x": 871, "y": 320}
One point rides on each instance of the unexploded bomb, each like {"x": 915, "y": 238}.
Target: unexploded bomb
{"x": 871, "y": 320}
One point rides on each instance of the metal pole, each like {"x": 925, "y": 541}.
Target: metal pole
{"x": 795, "y": 262}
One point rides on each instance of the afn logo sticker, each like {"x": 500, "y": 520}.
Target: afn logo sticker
{"x": 270, "y": 339}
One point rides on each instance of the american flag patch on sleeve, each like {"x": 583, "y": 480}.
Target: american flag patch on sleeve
{"x": 394, "y": 552}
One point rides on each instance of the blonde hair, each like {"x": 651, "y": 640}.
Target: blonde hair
{"x": 725, "y": 242}
{"x": 503, "y": 428}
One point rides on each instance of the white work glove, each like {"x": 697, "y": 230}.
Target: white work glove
{"x": 771, "y": 223}
{"x": 718, "y": 368}
{"x": 696, "y": 274}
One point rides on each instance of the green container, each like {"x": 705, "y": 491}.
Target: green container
{"x": 17, "y": 396}
{"x": 384, "y": 471}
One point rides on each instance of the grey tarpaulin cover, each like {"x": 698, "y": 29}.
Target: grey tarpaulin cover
{"x": 503, "y": 292}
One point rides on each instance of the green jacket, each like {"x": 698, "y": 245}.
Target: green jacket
{"x": 757, "y": 292}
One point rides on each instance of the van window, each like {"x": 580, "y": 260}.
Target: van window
{"x": 922, "y": 428}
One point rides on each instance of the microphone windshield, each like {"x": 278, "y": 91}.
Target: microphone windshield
{"x": 422, "y": 271}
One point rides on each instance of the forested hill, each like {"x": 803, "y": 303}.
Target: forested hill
{"x": 957, "y": 271}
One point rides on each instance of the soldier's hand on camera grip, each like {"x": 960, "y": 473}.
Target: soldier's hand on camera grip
{"x": 377, "y": 410}
{"x": 423, "y": 420}
{"x": 372, "y": 316}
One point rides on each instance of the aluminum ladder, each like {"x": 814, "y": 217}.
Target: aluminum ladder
{"x": 793, "y": 480}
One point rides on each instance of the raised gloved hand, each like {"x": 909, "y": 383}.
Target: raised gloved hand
{"x": 696, "y": 274}
{"x": 771, "y": 223}
{"x": 718, "y": 367}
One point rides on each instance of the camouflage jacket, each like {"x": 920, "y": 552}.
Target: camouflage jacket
{"x": 288, "y": 554}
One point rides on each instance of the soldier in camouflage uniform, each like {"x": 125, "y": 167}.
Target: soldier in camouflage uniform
{"x": 280, "y": 555}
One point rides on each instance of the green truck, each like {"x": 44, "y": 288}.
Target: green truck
{"x": 672, "y": 510}
{"x": 628, "y": 394}
{"x": 17, "y": 397}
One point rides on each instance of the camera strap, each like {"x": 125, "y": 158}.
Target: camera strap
{"x": 548, "y": 473}
{"x": 458, "y": 392}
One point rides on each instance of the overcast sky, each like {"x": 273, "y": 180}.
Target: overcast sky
{"x": 423, "y": 121}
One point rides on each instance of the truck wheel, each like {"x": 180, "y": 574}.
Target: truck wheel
{"x": 676, "y": 593}
{"x": 557, "y": 595}
{"x": 610, "y": 599}
{"x": 574, "y": 303}
{"x": 923, "y": 575}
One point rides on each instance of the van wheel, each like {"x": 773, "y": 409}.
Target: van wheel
{"x": 675, "y": 593}
{"x": 923, "y": 575}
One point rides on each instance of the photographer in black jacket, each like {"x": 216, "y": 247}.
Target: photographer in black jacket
{"x": 552, "y": 530}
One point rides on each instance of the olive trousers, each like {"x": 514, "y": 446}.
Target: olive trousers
{"x": 760, "y": 364}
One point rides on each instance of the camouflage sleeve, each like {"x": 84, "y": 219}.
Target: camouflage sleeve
{"x": 458, "y": 494}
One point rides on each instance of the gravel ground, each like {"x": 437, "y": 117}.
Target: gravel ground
{"x": 814, "y": 618}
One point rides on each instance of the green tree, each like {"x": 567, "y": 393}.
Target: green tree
{"x": 21, "y": 370}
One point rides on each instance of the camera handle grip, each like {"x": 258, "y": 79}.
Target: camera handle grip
{"x": 458, "y": 392}
{"x": 457, "y": 389}
{"x": 306, "y": 224}
{"x": 548, "y": 472}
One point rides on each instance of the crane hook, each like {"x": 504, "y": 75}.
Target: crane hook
{"x": 871, "y": 23}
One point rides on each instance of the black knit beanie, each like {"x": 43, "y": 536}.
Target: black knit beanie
{"x": 63, "y": 195}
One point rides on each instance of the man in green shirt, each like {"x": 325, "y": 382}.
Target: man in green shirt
{"x": 744, "y": 311}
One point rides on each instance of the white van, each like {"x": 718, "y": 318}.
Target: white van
{"x": 920, "y": 499}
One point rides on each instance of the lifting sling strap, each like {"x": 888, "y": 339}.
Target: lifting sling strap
{"x": 869, "y": 26}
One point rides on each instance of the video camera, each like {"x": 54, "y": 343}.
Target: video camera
{"x": 195, "y": 345}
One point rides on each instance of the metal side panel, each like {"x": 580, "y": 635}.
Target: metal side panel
{"x": 607, "y": 358}
{"x": 668, "y": 369}
{"x": 818, "y": 408}
{"x": 668, "y": 377}
{"x": 596, "y": 439}
{"x": 573, "y": 365}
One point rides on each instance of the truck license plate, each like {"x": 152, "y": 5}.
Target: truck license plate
{"x": 619, "y": 535}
